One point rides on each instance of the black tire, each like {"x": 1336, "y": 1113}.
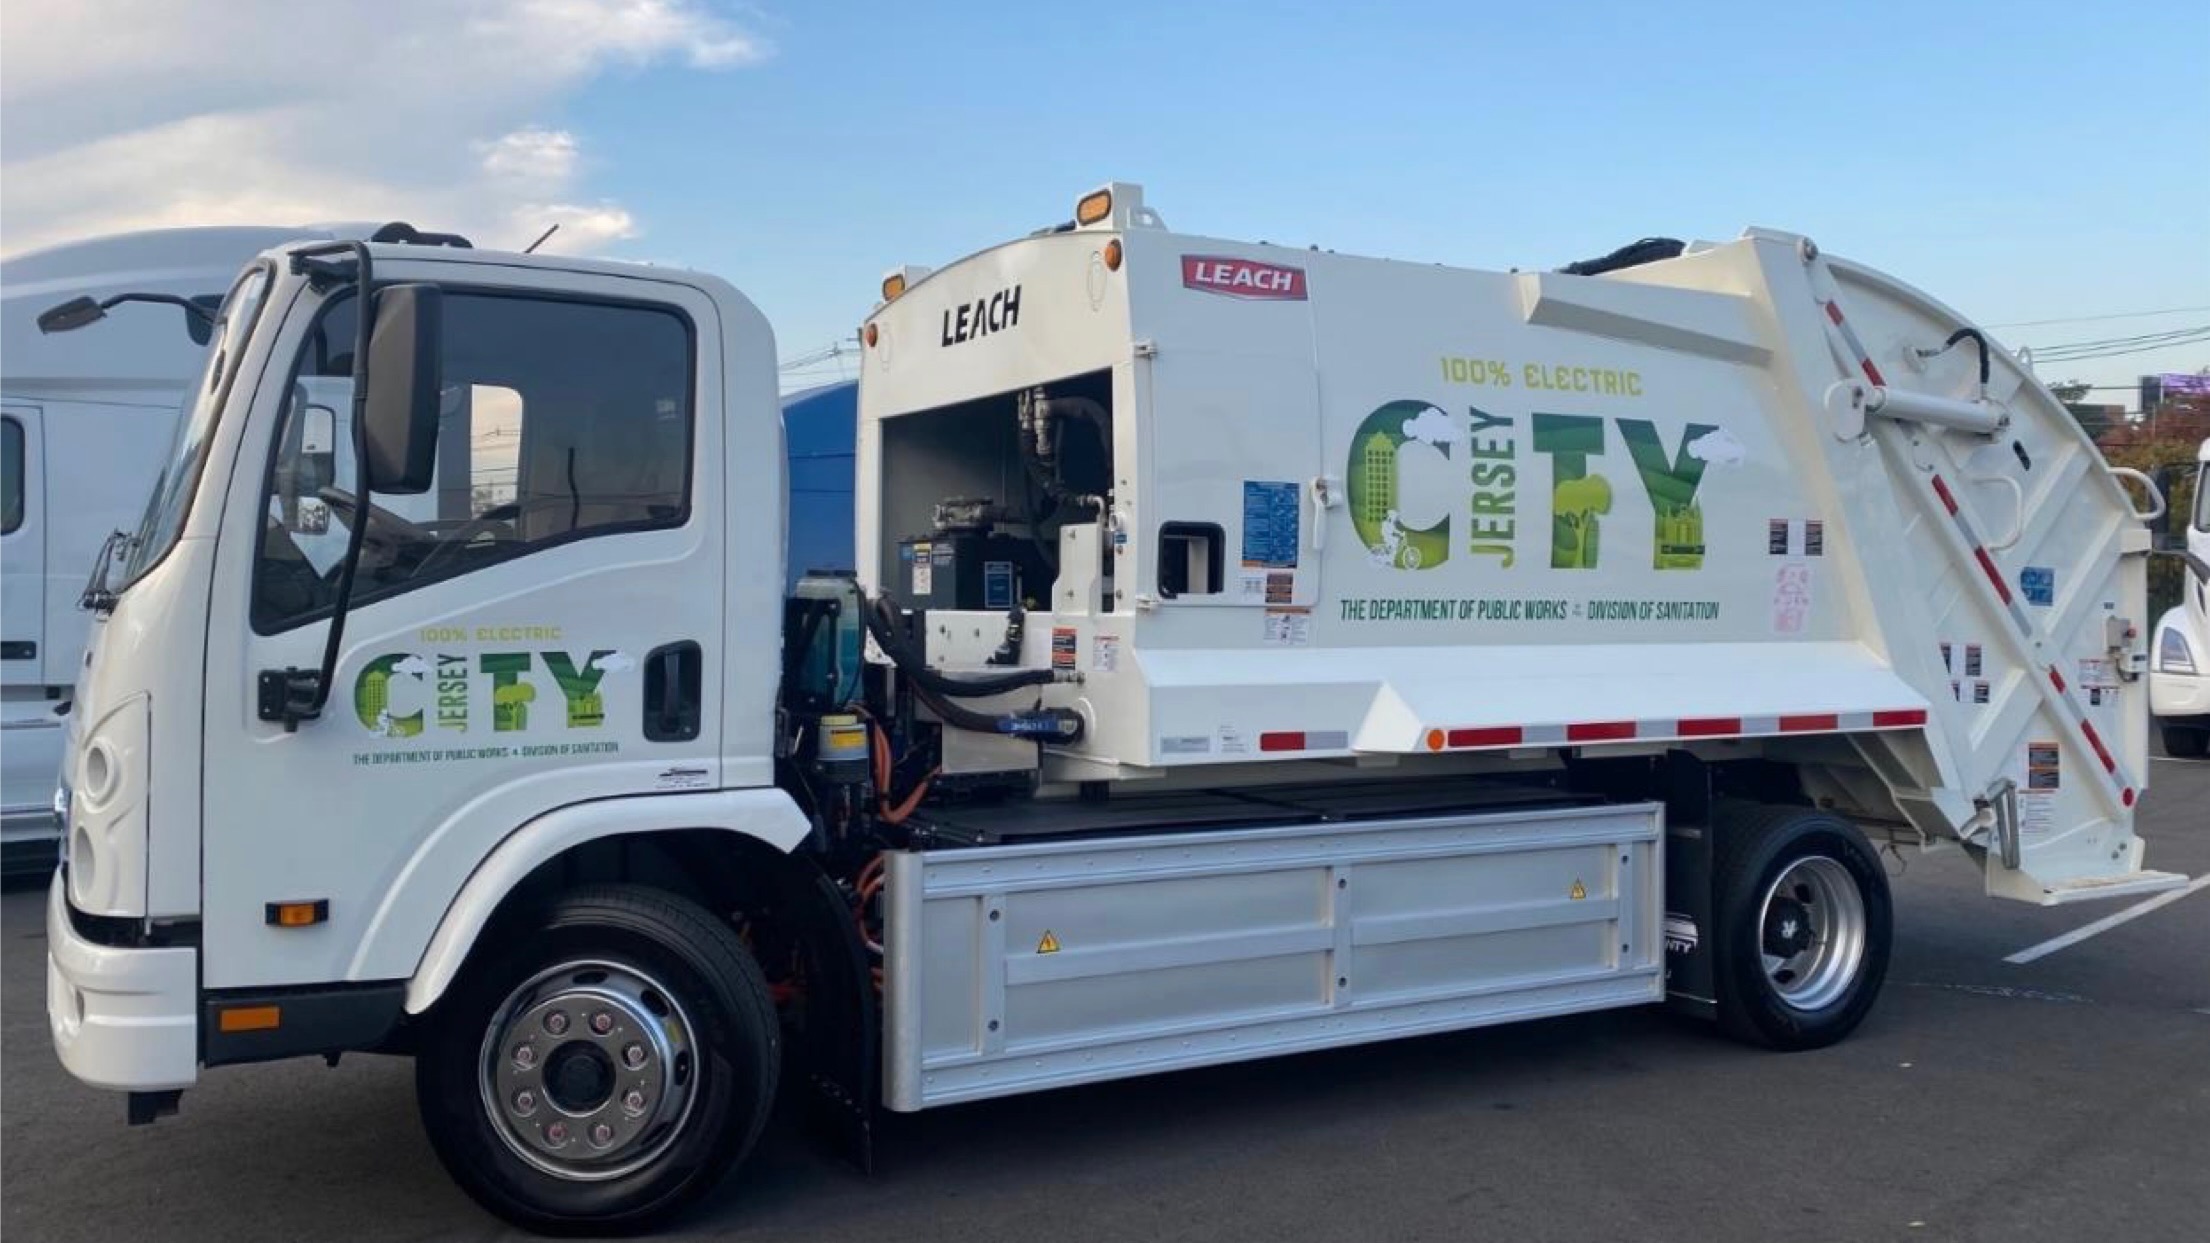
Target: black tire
{"x": 2186, "y": 742}
{"x": 1757, "y": 845}
{"x": 732, "y": 1054}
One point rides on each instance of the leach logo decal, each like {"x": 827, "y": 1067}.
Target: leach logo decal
{"x": 1243, "y": 278}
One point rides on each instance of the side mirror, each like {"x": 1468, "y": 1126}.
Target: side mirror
{"x": 400, "y": 422}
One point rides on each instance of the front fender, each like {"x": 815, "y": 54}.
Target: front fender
{"x": 765, "y": 814}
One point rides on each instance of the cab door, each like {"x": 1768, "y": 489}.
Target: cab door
{"x": 533, "y": 631}
{"x": 22, "y": 547}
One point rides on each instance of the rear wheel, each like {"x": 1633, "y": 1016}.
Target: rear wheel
{"x": 607, "y": 1070}
{"x": 1805, "y": 923}
{"x": 2186, "y": 742}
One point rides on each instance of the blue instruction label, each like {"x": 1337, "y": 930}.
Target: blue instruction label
{"x": 2038, "y": 583}
{"x": 997, "y": 584}
{"x": 1270, "y": 515}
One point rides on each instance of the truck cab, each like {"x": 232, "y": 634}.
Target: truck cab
{"x": 2179, "y": 672}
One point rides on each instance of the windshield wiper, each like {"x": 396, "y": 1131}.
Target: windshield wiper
{"x": 97, "y": 597}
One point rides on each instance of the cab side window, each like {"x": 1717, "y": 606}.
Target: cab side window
{"x": 560, "y": 420}
{"x": 11, "y": 476}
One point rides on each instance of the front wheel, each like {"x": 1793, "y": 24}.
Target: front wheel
{"x": 1805, "y": 923}
{"x": 606, "y": 1070}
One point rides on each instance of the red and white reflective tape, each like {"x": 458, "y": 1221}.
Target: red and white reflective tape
{"x": 1983, "y": 557}
{"x": 1671, "y": 729}
{"x": 2127, "y": 792}
{"x": 1856, "y": 347}
{"x": 1281, "y": 740}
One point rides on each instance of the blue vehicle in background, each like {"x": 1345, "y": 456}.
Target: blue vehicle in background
{"x": 819, "y": 428}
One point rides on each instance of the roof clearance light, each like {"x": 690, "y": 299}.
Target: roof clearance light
{"x": 1112, "y": 255}
{"x": 892, "y": 286}
{"x": 1095, "y": 206}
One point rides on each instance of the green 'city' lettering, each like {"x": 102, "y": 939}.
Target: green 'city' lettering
{"x": 580, "y": 688}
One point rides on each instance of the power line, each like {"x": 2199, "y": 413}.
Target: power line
{"x": 2086, "y": 350}
{"x": 2095, "y": 319}
{"x": 2111, "y": 341}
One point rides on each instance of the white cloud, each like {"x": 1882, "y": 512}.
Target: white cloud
{"x": 1432, "y": 426}
{"x": 1718, "y": 446}
{"x": 124, "y": 114}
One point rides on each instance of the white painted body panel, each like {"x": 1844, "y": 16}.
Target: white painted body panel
{"x": 1756, "y": 568}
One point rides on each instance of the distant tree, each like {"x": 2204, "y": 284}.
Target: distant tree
{"x": 2069, "y": 391}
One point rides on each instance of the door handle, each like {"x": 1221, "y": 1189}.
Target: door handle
{"x": 672, "y": 692}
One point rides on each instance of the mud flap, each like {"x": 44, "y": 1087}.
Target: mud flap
{"x": 1691, "y": 983}
{"x": 1690, "y": 986}
{"x": 843, "y": 1062}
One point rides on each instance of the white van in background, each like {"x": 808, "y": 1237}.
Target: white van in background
{"x": 86, "y": 419}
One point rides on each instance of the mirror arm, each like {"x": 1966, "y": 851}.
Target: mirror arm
{"x": 303, "y": 693}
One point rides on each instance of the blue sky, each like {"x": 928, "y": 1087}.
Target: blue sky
{"x": 2023, "y": 162}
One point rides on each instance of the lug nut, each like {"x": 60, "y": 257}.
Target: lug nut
{"x": 633, "y": 1102}
{"x": 525, "y": 1056}
{"x": 602, "y": 1135}
{"x": 602, "y": 1022}
{"x": 525, "y": 1102}
{"x": 633, "y": 1056}
{"x": 556, "y": 1134}
{"x": 556, "y": 1023}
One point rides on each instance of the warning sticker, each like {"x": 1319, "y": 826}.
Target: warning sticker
{"x": 1979, "y": 692}
{"x": 1288, "y": 627}
{"x": 2038, "y": 583}
{"x": 1791, "y": 598}
{"x": 1948, "y": 659}
{"x": 1814, "y": 537}
{"x": 1776, "y": 537}
{"x": 1972, "y": 660}
{"x": 2044, "y": 770}
{"x": 1270, "y": 514}
{"x": 1049, "y": 944}
{"x": 1233, "y": 741}
{"x": 2037, "y": 812}
{"x": 924, "y": 571}
{"x": 2098, "y": 673}
{"x": 1105, "y": 653}
{"x": 1578, "y": 892}
{"x": 1063, "y": 647}
{"x": 1185, "y": 744}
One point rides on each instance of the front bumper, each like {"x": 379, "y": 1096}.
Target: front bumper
{"x": 123, "y": 1018}
{"x": 2178, "y": 694}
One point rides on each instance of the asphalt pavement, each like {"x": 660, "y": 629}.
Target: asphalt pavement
{"x": 2066, "y": 1098}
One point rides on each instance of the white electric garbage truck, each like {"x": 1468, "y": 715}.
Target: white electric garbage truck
{"x": 1252, "y": 650}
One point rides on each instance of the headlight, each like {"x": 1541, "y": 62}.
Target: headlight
{"x": 2172, "y": 652}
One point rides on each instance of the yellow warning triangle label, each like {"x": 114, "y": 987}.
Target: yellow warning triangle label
{"x": 1049, "y": 945}
{"x": 1577, "y": 892}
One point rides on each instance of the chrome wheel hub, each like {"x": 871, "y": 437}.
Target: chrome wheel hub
{"x": 589, "y": 1070}
{"x": 1812, "y": 933}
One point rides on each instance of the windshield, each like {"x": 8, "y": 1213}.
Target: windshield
{"x": 172, "y": 492}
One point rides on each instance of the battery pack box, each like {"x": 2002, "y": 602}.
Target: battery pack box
{"x": 970, "y": 571}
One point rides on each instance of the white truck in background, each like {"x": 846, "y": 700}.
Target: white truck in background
{"x": 1252, "y": 650}
{"x": 2179, "y": 669}
{"x": 84, "y": 420}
